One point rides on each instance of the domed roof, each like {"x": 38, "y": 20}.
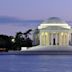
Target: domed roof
{"x": 56, "y": 20}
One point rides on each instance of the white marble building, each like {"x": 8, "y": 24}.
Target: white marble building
{"x": 54, "y": 31}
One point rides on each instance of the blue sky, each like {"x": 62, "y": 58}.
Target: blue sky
{"x": 31, "y": 10}
{"x": 36, "y": 9}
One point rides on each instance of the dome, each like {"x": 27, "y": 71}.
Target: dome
{"x": 55, "y": 20}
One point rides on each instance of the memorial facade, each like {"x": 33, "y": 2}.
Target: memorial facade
{"x": 54, "y": 31}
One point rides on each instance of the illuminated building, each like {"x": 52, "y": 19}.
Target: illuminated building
{"x": 54, "y": 31}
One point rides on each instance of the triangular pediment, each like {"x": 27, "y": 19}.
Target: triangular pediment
{"x": 55, "y": 28}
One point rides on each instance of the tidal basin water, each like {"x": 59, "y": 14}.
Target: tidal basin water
{"x": 35, "y": 63}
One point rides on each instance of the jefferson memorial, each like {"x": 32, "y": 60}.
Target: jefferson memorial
{"x": 53, "y": 32}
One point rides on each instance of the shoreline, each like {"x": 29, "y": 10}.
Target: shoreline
{"x": 41, "y": 50}
{"x": 37, "y": 53}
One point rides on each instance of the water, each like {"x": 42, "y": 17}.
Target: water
{"x": 35, "y": 63}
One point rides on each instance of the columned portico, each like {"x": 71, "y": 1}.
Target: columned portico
{"x": 54, "y": 38}
{"x": 54, "y": 32}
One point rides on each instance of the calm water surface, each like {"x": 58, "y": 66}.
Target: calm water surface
{"x": 35, "y": 63}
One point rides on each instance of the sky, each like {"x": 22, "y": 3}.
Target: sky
{"x": 36, "y": 9}
{"x": 32, "y": 10}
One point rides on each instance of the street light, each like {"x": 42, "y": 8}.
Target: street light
{"x": 13, "y": 40}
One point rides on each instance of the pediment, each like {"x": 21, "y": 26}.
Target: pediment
{"x": 55, "y": 28}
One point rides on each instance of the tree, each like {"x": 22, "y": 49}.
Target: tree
{"x": 27, "y": 33}
{"x": 17, "y": 44}
{"x": 11, "y": 38}
{"x": 5, "y": 42}
{"x": 22, "y": 40}
{"x": 28, "y": 40}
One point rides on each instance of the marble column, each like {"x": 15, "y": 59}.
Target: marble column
{"x": 40, "y": 39}
{"x": 51, "y": 38}
{"x": 68, "y": 38}
{"x": 60, "y": 39}
{"x": 56, "y": 38}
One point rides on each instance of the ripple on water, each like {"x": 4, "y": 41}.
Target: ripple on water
{"x": 36, "y": 63}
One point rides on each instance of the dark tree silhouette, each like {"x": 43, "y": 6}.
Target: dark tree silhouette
{"x": 28, "y": 40}
{"x": 22, "y": 40}
{"x": 18, "y": 41}
{"x": 11, "y": 42}
{"x": 5, "y": 42}
{"x": 27, "y": 33}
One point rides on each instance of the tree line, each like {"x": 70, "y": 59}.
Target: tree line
{"x": 15, "y": 43}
